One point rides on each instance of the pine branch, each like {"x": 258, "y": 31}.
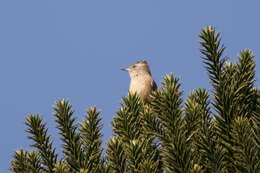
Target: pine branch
{"x": 246, "y": 153}
{"x": 177, "y": 156}
{"x": 168, "y": 126}
{"x": 212, "y": 51}
{"x": 91, "y": 138}
{"x": 234, "y": 93}
{"x": 245, "y": 84}
{"x": 166, "y": 104}
{"x": 25, "y": 162}
{"x": 62, "y": 167}
{"x": 152, "y": 126}
{"x": 128, "y": 126}
{"x": 116, "y": 156}
{"x": 134, "y": 154}
{"x": 152, "y": 161}
{"x": 208, "y": 154}
{"x": 72, "y": 144}
{"x": 20, "y": 162}
{"x": 225, "y": 90}
{"x": 127, "y": 123}
{"x": 34, "y": 159}
{"x": 103, "y": 166}
{"x": 196, "y": 111}
{"x": 42, "y": 142}
{"x": 256, "y": 120}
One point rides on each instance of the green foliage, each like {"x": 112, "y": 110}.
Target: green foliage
{"x": 41, "y": 141}
{"x": 216, "y": 131}
{"x": 25, "y": 162}
{"x": 199, "y": 126}
{"x": 246, "y": 154}
{"x": 116, "y": 155}
{"x": 127, "y": 123}
{"x": 169, "y": 126}
{"x": 91, "y": 138}
{"x": 234, "y": 96}
{"x": 132, "y": 147}
{"x": 256, "y": 120}
{"x": 71, "y": 138}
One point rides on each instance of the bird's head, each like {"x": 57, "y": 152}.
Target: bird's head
{"x": 138, "y": 68}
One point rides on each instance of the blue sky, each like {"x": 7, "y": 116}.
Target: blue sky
{"x": 56, "y": 49}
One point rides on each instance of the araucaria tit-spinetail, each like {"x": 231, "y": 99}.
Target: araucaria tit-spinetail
{"x": 141, "y": 81}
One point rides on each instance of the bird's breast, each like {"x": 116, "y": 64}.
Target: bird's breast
{"x": 141, "y": 86}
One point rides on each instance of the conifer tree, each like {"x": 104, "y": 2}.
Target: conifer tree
{"x": 215, "y": 130}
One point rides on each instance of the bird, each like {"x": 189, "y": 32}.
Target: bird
{"x": 141, "y": 81}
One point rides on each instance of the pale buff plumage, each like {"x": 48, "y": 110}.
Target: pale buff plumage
{"x": 141, "y": 81}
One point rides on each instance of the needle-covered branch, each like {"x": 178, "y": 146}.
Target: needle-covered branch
{"x": 25, "y": 162}
{"x": 90, "y": 132}
{"x": 38, "y": 133}
{"x": 70, "y": 137}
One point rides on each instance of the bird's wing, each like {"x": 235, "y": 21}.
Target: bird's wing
{"x": 154, "y": 86}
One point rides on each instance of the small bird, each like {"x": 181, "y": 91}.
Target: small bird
{"x": 141, "y": 81}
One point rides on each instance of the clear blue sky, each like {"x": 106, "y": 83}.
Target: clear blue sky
{"x": 53, "y": 49}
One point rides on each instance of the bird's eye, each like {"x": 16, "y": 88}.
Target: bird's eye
{"x": 133, "y": 66}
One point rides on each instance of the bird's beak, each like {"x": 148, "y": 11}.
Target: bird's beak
{"x": 124, "y": 69}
